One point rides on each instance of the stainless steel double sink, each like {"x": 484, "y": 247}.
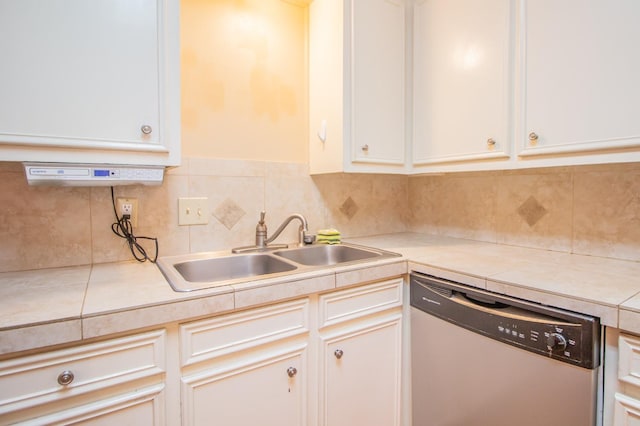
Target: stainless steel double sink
{"x": 205, "y": 270}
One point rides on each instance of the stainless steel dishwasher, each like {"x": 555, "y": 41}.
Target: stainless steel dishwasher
{"x": 479, "y": 358}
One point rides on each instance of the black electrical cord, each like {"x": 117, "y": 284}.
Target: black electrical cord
{"x": 124, "y": 229}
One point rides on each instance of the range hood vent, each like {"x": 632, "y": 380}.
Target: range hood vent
{"x": 61, "y": 174}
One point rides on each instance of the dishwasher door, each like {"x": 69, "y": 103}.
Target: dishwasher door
{"x": 462, "y": 377}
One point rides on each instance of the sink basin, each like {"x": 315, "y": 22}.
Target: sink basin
{"x": 325, "y": 255}
{"x": 198, "y": 271}
{"x": 228, "y": 268}
{"x": 207, "y": 272}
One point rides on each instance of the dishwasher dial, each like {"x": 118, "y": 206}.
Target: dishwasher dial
{"x": 556, "y": 341}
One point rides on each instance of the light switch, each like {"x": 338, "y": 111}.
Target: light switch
{"x": 193, "y": 211}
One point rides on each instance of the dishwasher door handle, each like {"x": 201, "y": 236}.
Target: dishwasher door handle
{"x": 484, "y": 301}
{"x": 479, "y": 300}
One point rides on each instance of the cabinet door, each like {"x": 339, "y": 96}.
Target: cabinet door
{"x": 581, "y": 70}
{"x": 360, "y": 375}
{"x": 462, "y": 81}
{"x": 252, "y": 389}
{"x": 357, "y": 86}
{"x": 84, "y": 75}
{"x": 375, "y": 121}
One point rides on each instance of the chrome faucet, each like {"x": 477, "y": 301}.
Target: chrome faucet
{"x": 264, "y": 243}
{"x": 302, "y": 230}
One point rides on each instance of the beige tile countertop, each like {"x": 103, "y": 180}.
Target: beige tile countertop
{"x": 56, "y": 306}
{"x": 603, "y": 287}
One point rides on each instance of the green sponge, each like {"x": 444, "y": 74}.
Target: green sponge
{"x": 329, "y": 232}
{"x": 328, "y": 236}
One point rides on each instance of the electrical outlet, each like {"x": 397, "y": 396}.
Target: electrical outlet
{"x": 128, "y": 206}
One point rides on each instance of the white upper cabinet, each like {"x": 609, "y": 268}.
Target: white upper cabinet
{"x": 90, "y": 81}
{"x": 580, "y": 65}
{"x": 357, "y": 89}
{"x": 462, "y": 72}
{"x": 524, "y": 83}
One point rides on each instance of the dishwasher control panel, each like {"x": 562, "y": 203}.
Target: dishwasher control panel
{"x": 556, "y": 333}
{"x": 561, "y": 339}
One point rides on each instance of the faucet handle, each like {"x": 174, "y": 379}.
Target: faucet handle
{"x": 262, "y": 214}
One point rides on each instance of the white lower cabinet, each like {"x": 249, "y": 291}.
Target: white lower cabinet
{"x": 247, "y": 368}
{"x": 261, "y": 389}
{"x": 118, "y": 381}
{"x": 360, "y": 375}
{"x": 360, "y": 356}
{"x": 332, "y": 359}
{"x": 626, "y": 408}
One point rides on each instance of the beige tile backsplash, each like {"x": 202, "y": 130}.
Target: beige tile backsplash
{"x": 456, "y": 205}
{"x": 606, "y": 212}
{"x": 534, "y": 210}
{"x": 592, "y": 210}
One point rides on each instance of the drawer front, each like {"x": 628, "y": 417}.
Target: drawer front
{"x": 38, "y": 379}
{"x": 626, "y": 411}
{"x": 213, "y": 337}
{"x": 357, "y": 302}
{"x": 629, "y": 359}
{"x": 143, "y": 406}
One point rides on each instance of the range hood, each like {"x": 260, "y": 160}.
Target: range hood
{"x": 62, "y": 174}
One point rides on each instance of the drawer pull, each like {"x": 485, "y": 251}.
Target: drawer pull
{"x": 292, "y": 371}
{"x": 338, "y": 353}
{"x": 146, "y": 129}
{"x": 65, "y": 378}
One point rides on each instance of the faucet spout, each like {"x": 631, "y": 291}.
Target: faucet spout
{"x": 302, "y": 230}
